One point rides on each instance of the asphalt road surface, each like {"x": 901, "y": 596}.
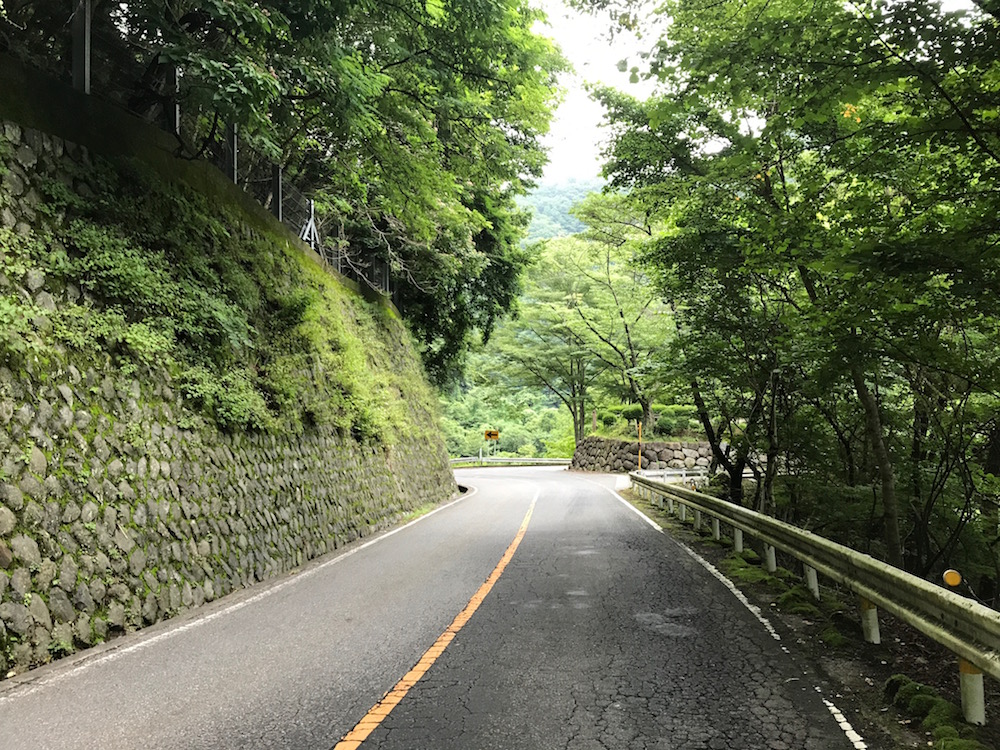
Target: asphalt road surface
{"x": 540, "y": 611}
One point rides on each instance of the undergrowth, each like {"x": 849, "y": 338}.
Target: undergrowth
{"x": 151, "y": 273}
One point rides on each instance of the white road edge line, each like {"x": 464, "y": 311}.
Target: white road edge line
{"x": 855, "y": 739}
{"x": 113, "y": 654}
{"x": 852, "y": 735}
{"x": 628, "y": 505}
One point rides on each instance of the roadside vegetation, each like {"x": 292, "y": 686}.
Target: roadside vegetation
{"x": 904, "y": 691}
{"x": 253, "y": 334}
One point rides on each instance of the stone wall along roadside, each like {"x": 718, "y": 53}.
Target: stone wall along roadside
{"x": 120, "y": 506}
{"x": 609, "y": 455}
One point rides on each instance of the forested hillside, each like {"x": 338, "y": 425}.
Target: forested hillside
{"x": 551, "y": 206}
{"x": 414, "y": 125}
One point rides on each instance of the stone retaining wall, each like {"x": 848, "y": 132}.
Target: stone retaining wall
{"x": 120, "y": 505}
{"x": 608, "y": 455}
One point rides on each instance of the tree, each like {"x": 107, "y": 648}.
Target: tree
{"x": 587, "y": 317}
{"x": 541, "y": 348}
{"x": 849, "y": 169}
{"x": 415, "y": 124}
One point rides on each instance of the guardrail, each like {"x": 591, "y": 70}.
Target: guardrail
{"x": 967, "y": 628}
{"x": 491, "y": 461}
{"x": 700, "y": 473}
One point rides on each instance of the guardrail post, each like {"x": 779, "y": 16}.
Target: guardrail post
{"x": 771, "y": 562}
{"x": 684, "y": 513}
{"x": 738, "y": 540}
{"x": 670, "y": 505}
{"x": 973, "y": 698}
{"x": 812, "y": 583}
{"x": 869, "y": 622}
{"x": 716, "y": 531}
{"x": 697, "y": 520}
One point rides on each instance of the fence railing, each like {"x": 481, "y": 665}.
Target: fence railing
{"x": 509, "y": 461}
{"x": 113, "y": 56}
{"x": 965, "y": 627}
{"x": 698, "y": 474}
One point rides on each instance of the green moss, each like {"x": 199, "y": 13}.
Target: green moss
{"x": 957, "y": 744}
{"x": 833, "y": 637}
{"x": 910, "y": 690}
{"x": 799, "y": 600}
{"x": 920, "y": 705}
{"x": 942, "y": 718}
{"x": 945, "y": 732}
{"x": 941, "y": 713}
{"x": 738, "y": 569}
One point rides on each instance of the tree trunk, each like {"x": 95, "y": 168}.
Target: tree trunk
{"x": 648, "y": 423}
{"x": 876, "y": 435}
{"x": 735, "y": 472}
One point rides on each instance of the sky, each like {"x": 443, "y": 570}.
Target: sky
{"x": 574, "y": 141}
{"x": 575, "y": 138}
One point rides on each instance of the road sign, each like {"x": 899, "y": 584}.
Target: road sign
{"x": 493, "y": 434}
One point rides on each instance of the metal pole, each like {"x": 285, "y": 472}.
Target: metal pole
{"x": 174, "y": 107}
{"x": 812, "y": 583}
{"x": 869, "y": 622}
{"x": 973, "y": 698}
{"x": 81, "y": 45}
{"x": 277, "y": 193}
{"x": 232, "y": 153}
{"x": 771, "y": 562}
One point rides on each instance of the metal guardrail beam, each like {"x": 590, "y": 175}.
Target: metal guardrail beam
{"x": 965, "y": 627}
{"x": 485, "y": 461}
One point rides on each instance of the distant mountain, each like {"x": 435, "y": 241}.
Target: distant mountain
{"x": 551, "y": 203}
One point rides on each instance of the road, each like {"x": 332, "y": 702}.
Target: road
{"x": 593, "y": 630}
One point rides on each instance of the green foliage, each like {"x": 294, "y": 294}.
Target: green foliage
{"x": 827, "y": 250}
{"x": 530, "y": 422}
{"x": 632, "y": 412}
{"x": 675, "y": 420}
{"x": 257, "y": 337}
{"x": 17, "y": 335}
{"x": 551, "y": 205}
{"x": 231, "y": 399}
{"x": 415, "y": 126}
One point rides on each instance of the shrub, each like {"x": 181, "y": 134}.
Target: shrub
{"x": 632, "y": 411}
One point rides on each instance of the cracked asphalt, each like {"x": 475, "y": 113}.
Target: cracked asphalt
{"x": 601, "y": 633}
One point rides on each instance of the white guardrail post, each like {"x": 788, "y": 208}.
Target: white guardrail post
{"x": 965, "y": 627}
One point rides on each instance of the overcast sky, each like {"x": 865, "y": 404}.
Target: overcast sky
{"x": 575, "y": 137}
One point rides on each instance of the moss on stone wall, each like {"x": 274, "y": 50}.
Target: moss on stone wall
{"x": 188, "y": 403}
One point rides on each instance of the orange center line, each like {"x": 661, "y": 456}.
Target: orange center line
{"x": 353, "y": 739}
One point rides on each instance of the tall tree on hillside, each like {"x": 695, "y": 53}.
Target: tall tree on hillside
{"x": 415, "y": 123}
{"x": 541, "y": 347}
{"x": 853, "y": 167}
{"x": 587, "y": 313}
